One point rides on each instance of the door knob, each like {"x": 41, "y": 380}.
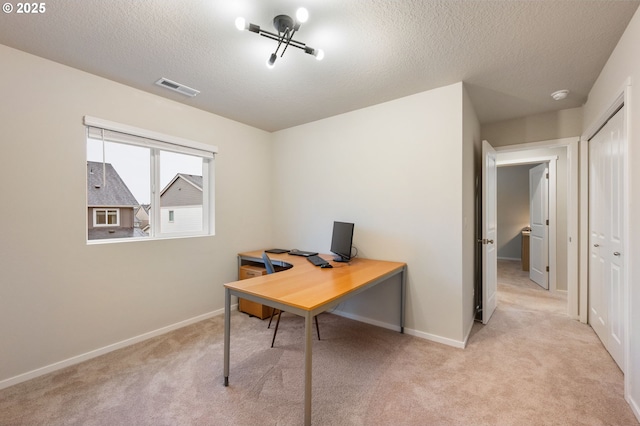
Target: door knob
{"x": 616, "y": 253}
{"x": 596, "y": 245}
{"x": 489, "y": 241}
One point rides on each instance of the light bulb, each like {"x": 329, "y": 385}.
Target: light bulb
{"x": 560, "y": 94}
{"x": 271, "y": 62}
{"x": 241, "y": 24}
{"x": 319, "y": 54}
{"x": 302, "y": 15}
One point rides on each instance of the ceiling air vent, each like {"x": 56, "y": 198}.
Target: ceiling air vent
{"x": 177, "y": 87}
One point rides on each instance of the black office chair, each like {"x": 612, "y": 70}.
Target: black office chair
{"x": 271, "y": 270}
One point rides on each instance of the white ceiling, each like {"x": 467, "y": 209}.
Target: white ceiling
{"x": 511, "y": 54}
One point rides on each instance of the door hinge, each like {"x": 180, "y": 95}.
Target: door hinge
{"x": 547, "y": 269}
{"x": 547, "y": 221}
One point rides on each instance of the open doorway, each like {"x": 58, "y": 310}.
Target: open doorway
{"x": 563, "y": 159}
{"x": 558, "y": 155}
{"x": 523, "y": 223}
{"x": 523, "y": 236}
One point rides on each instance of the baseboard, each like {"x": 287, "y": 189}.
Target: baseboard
{"x": 468, "y": 333}
{"x": 409, "y": 331}
{"x": 366, "y": 320}
{"x": 510, "y": 258}
{"x": 106, "y": 349}
{"x": 634, "y": 407}
{"x": 435, "y": 338}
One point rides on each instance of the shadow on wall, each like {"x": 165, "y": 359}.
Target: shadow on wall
{"x": 512, "y": 249}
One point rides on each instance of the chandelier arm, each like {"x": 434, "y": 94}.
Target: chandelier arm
{"x": 272, "y": 36}
{"x": 282, "y": 38}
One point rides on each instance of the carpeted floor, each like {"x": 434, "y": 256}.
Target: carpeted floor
{"x": 530, "y": 365}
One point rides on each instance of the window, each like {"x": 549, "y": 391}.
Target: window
{"x": 145, "y": 185}
{"x": 106, "y": 217}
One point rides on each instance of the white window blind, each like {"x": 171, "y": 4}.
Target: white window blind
{"x": 121, "y": 133}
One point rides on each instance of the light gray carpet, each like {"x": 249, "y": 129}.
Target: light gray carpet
{"x": 530, "y": 365}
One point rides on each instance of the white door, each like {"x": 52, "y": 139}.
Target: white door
{"x": 539, "y": 217}
{"x": 489, "y": 232}
{"x": 606, "y": 242}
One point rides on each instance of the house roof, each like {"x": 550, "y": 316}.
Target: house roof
{"x": 194, "y": 180}
{"x": 111, "y": 191}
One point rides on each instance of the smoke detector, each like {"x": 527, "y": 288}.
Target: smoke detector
{"x": 560, "y": 94}
{"x": 177, "y": 87}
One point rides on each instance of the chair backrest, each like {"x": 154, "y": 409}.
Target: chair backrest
{"x": 268, "y": 264}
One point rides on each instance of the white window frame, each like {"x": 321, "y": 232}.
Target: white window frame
{"x": 157, "y": 142}
{"x": 106, "y": 210}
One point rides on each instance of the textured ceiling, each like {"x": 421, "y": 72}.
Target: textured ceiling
{"x": 511, "y": 54}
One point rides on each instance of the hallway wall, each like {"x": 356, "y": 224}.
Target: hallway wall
{"x": 513, "y": 209}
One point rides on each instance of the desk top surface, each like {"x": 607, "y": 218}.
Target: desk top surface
{"x": 306, "y": 286}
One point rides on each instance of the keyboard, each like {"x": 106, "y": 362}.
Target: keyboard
{"x": 297, "y": 252}
{"x": 317, "y": 260}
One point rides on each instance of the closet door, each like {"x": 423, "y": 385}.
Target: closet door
{"x": 606, "y": 221}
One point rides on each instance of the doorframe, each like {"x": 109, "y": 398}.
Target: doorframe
{"x": 552, "y": 239}
{"x": 571, "y": 145}
{"x": 622, "y": 97}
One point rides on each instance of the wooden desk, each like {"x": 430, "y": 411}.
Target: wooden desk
{"x": 308, "y": 290}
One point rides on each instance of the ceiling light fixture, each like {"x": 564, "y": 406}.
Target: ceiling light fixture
{"x": 560, "y": 94}
{"x": 286, "y": 27}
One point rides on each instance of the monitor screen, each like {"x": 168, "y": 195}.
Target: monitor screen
{"x": 341, "y": 241}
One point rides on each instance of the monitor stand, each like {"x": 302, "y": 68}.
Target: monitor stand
{"x": 340, "y": 259}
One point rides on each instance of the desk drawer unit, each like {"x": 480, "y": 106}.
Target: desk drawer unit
{"x": 246, "y": 306}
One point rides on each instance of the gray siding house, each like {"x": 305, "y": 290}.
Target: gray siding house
{"x": 110, "y": 204}
{"x": 181, "y": 204}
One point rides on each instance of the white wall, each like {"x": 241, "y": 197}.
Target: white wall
{"x": 540, "y": 127}
{"x": 471, "y": 157}
{"x": 624, "y": 63}
{"x": 61, "y": 298}
{"x": 396, "y": 171}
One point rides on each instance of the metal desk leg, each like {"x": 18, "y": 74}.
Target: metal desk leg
{"x": 403, "y": 291}
{"x": 227, "y": 333}
{"x": 308, "y": 321}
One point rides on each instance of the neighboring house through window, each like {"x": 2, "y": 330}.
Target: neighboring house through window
{"x": 181, "y": 204}
{"x": 110, "y": 204}
{"x": 142, "y": 184}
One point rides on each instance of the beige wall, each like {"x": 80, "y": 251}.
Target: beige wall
{"x": 623, "y": 67}
{"x": 396, "y": 171}
{"x": 471, "y": 153}
{"x": 61, "y": 298}
{"x": 542, "y": 127}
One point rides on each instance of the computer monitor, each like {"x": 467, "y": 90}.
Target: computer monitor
{"x": 341, "y": 241}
